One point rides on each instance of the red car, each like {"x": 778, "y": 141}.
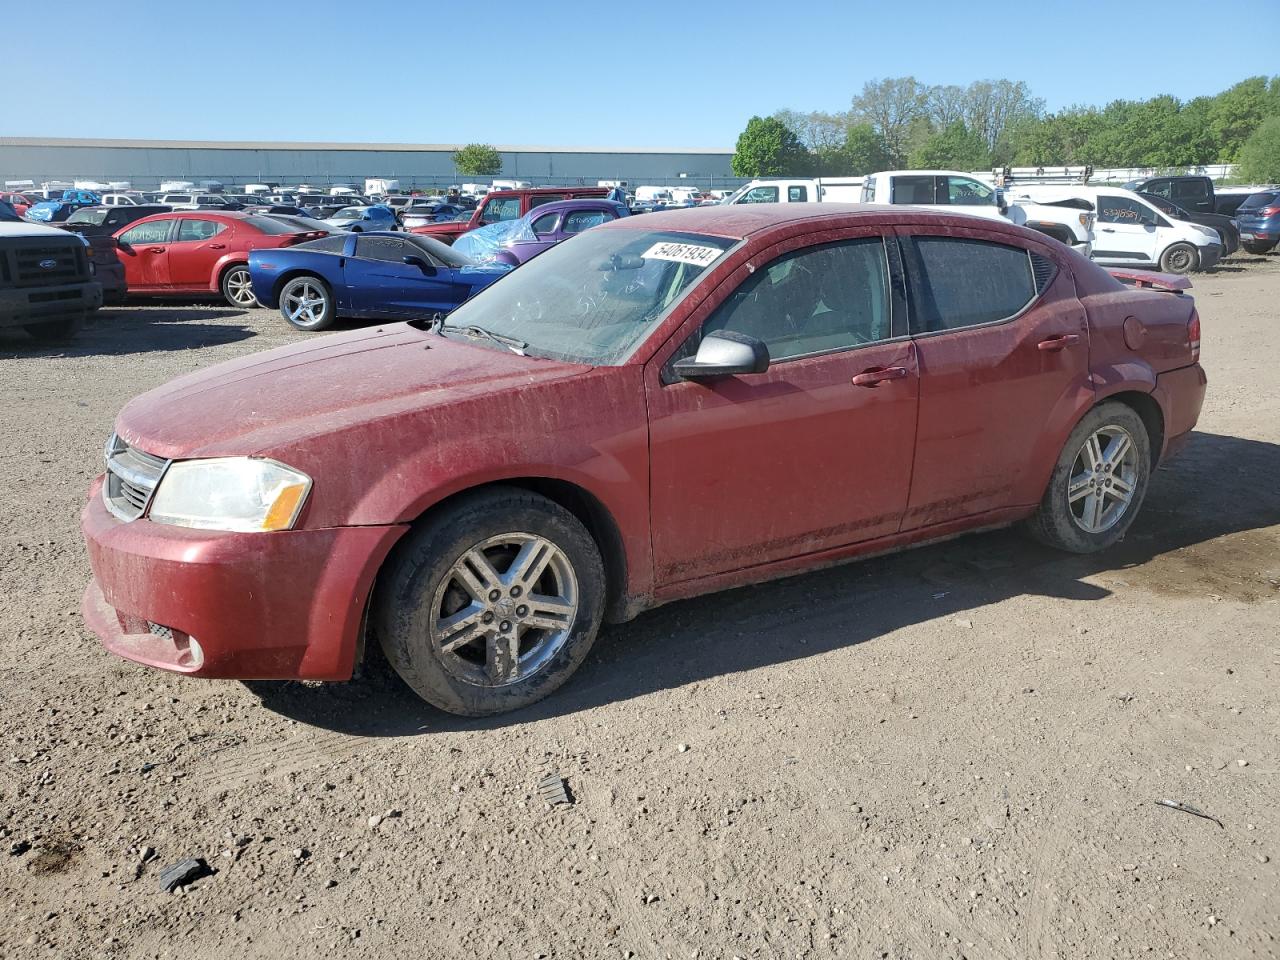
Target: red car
{"x": 18, "y": 201}
{"x": 659, "y": 407}
{"x": 503, "y": 205}
{"x": 199, "y": 251}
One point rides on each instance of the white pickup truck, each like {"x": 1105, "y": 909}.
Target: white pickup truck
{"x": 1067, "y": 219}
{"x": 799, "y": 190}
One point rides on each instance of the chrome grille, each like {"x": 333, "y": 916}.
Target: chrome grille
{"x": 132, "y": 476}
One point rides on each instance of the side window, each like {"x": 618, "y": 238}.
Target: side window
{"x": 388, "y": 249}
{"x": 545, "y": 223}
{"x": 815, "y": 300}
{"x": 797, "y": 195}
{"x": 334, "y": 244}
{"x": 1190, "y": 193}
{"x": 1161, "y": 188}
{"x": 1116, "y": 209}
{"x": 965, "y": 191}
{"x": 760, "y": 195}
{"x": 580, "y": 220}
{"x": 198, "y": 230}
{"x": 503, "y": 208}
{"x": 869, "y": 190}
{"x": 156, "y": 231}
{"x": 538, "y": 199}
{"x": 958, "y": 282}
{"x": 917, "y": 190}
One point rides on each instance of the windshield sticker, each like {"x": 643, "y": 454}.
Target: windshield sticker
{"x": 683, "y": 253}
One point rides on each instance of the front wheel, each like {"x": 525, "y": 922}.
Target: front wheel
{"x": 237, "y": 287}
{"x": 307, "y": 304}
{"x": 55, "y": 331}
{"x": 1098, "y": 482}
{"x": 1180, "y": 258}
{"x": 492, "y": 604}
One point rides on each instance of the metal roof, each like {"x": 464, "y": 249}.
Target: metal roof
{"x": 316, "y": 145}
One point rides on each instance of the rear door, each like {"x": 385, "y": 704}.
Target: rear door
{"x": 1193, "y": 193}
{"x": 144, "y": 251}
{"x": 1002, "y": 344}
{"x": 197, "y": 245}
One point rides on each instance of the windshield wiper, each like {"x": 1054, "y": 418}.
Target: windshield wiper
{"x": 480, "y": 333}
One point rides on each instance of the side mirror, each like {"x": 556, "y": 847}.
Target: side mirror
{"x": 415, "y": 261}
{"x": 124, "y": 246}
{"x": 725, "y": 354}
{"x": 1001, "y": 203}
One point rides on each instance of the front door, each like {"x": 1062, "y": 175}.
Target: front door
{"x": 382, "y": 283}
{"x": 144, "y": 253}
{"x": 1003, "y": 349}
{"x": 755, "y": 468}
{"x": 1125, "y": 231}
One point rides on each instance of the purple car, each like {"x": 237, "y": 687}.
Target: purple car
{"x": 516, "y": 241}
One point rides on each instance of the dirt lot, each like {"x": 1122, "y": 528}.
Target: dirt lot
{"x": 953, "y": 752}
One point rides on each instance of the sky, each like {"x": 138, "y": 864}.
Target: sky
{"x": 574, "y": 73}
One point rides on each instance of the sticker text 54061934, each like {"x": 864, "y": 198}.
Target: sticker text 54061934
{"x": 692, "y": 253}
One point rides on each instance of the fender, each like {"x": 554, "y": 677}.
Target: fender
{"x": 221, "y": 264}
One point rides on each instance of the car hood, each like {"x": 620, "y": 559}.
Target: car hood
{"x": 279, "y": 398}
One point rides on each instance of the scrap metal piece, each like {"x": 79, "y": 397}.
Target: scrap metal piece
{"x": 552, "y": 789}
{"x": 1185, "y": 808}
{"x": 182, "y": 873}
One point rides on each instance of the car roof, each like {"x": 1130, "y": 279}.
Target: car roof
{"x": 741, "y": 220}
{"x": 583, "y": 203}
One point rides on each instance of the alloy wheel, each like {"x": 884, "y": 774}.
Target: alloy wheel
{"x": 506, "y": 607}
{"x": 1104, "y": 479}
{"x": 240, "y": 288}
{"x": 306, "y": 304}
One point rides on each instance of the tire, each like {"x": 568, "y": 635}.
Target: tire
{"x": 1258, "y": 248}
{"x": 62, "y": 330}
{"x": 421, "y": 587}
{"x": 1180, "y": 258}
{"x": 307, "y": 303}
{"x": 1067, "y": 523}
{"x": 237, "y": 287}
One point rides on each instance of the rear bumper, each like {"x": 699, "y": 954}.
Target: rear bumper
{"x": 23, "y": 305}
{"x": 1180, "y": 394}
{"x": 258, "y": 606}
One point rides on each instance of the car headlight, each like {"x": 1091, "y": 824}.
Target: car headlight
{"x": 230, "y": 493}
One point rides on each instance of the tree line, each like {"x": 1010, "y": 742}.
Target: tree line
{"x": 899, "y": 122}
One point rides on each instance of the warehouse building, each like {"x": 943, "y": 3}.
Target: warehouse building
{"x": 146, "y": 163}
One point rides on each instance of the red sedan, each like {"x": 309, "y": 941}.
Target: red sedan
{"x": 20, "y": 203}
{"x": 200, "y": 252}
{"x": 659, "y": 407}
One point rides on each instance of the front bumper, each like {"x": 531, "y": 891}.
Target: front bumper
{"x": 23, "y": 305}
{"x": 1210, "y": 254}
{"x": 261, "y": 606}
{"x": 1180, "y": 394}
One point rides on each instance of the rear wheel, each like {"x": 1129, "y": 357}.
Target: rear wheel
{"x": 1180, "y": 258}
{"x": 307, "y": 303}
{"x": 1098, "y": 484}
{"x": 237, "y": 287}
{"x": 492, "y": 604}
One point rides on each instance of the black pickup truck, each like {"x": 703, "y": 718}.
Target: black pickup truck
{"x": 47, "y": 283}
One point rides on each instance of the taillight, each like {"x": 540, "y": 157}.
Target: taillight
{"x": 1193, "y": 335}
{"x": 1269, "y": 211}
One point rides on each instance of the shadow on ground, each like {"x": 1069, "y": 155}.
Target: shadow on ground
{"x": 126, "y": 330}
{"x": 1180, "y": 545}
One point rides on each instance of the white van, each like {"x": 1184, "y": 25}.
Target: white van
{"x": 799, "y": 190}
{"x": 659, "y": 195}
{"x": 1130, "y": 232}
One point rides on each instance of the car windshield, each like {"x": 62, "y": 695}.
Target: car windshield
{"x": 595, "y": 297}
{"x": 348, "y": 213}
{"x": 94, "y": 215}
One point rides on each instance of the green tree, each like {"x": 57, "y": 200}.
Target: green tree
{"x": 1238, "y": 111}
{"x": 478, "y": 160}
{"x": 862, "y": 152}
{"x": 895, "y": 107}
{"x": 1259, "y": 157}
{"x": 957, "y": 147}
{"x": 768, "y": 148}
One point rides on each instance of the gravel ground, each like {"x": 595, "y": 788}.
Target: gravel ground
{"x": 952, "y": 752}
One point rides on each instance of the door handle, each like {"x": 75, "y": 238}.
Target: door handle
{"x": 155, "y": 249}
{"x": 873, "y": 376}
{"x": 1054, "y": 344}
{"x": 217, "y": 246}
{"x": 1107, "y": 229}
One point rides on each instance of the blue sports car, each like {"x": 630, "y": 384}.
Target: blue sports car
{"x": 373, "y": 276}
